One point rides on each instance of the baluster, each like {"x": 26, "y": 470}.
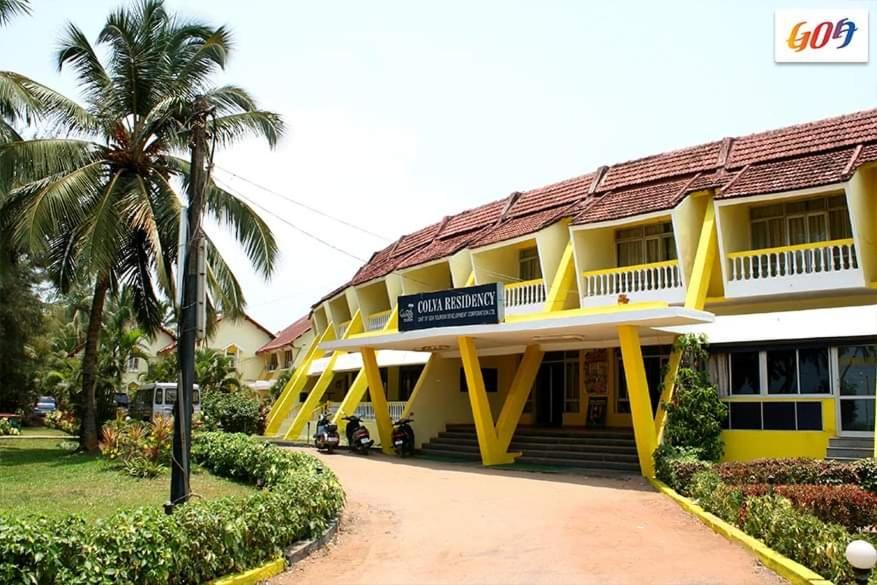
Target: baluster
{"x": 853, "y": 258}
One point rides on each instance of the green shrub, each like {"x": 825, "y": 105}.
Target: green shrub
{"x": 789, "y": 471}
{"x": 800, "y": 536}
{"x": 232, "y": 412}
{"x": 198, "y": 542}
{"x": 866, "y": 470}
{"x": 847, "y": 505}
{"x": 676, "y": 466}
{"x": 695, "y": 414}
{"x": 715, "y": 497}
{"x": 142, "y": 449}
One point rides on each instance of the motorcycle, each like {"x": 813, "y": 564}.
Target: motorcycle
{"x": 403, "y": 437}
{"x": 357, "y": 435}
{"x": 326, "y": 437}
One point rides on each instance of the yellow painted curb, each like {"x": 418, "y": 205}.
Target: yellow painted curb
{"x": 795, "y": 573}
{"x": 254, "y": 576}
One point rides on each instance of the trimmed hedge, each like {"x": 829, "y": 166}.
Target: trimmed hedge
{"x": 200, "y": 541}
{"x": 847, "y": 505}
{"x": 676, "y": 466}
{"x": 793, "y": 471}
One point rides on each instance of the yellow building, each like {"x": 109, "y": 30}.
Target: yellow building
{"x": 767, "y": 243}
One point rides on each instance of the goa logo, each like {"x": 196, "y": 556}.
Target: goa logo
{"x": 801, "y": 37}
{"x": 814, "y": 35}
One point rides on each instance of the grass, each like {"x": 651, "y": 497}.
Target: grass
{"x": 38, "y": 476}
{"x": 43, "y": 432}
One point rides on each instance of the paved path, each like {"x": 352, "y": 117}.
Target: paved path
{"x": 416, "y": 522}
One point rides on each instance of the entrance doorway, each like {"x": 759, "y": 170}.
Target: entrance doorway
{"x": 556, "y": 389}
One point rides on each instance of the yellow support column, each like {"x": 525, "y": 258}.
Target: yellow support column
{"x": 312, "y": 402}
{"x": 379, "y": 401}
{"x": 667, "y": 393}
{"x": 296, "y": 383}
{"x": 421, "y": 382}
{"x": 638, "y": 394}
{"x": 564, "y": 283}
{"x": 487, "y": 439}
{"x": 517, "y": 397}
{"x": 704, "y": 260}
{"x": 352, "y": 398}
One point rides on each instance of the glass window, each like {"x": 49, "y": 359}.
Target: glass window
{"x": 158, "y": 396}
{"x": 782, "y": 372}
{"x": 779, "y": 416}
{"x": 800, "y": 222}
{"x": 857, "y": 415}
{"x": 528, "y": 260}
{"x": 196, "y": 397}
{"x": 809, "y": 416}
{"x": 287, "y": 359}
{"x": 645, "y": 244}
{"x": 745, "y": 415}
{"x": 813, "y": 371}
{"x": 745, "y": 373}
{"x": 171, "y": 395}
{"x": 856, "y": 365}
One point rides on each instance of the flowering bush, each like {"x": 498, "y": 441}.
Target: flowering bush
{"x": 7, "y": 427}
{"x": 63, "y": 421}
{"x": 142, "y": 449}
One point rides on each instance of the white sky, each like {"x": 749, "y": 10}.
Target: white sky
{"x": 402, "y": 112}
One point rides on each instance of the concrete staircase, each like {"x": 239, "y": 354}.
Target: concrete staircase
{"x": 609, "y": 449}
{"x": 850, "y": 448}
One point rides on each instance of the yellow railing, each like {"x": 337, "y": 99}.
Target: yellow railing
{"x": 526, "y": 292}
{"x": 627, "y": 279}
{"x": 797, "y": 259}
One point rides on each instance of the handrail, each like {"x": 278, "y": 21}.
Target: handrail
{"x": 380, "y": 313}
{"x": 793, "y": 248}
{"x": 622, "y": 269}
{"x": 523, "y": 283}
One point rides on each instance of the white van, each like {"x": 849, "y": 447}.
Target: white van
{"x": 157, "y": 399}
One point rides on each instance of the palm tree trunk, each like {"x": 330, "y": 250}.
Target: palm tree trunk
{"x": 88, "y": 436}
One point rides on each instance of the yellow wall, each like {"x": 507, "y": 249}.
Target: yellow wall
{"x": 394, "y": 289}
{"x": 352, "y": 300}
{"x": 338, "y": 310}
{"x": 748, "y": 445}
{"x": 594, "y": 249}
{"x": 497, "y": 264}
{"x": 372, "y": 299}
{"x": 551, "y": 242}
{"x": 863, "y": 214}
{"x": 461, "y": 267}
{"x": 248, "y": 338}
{"x": 319, "y": 319}
{"x": 687, "y": 223}
{"x": 426, "y": 279}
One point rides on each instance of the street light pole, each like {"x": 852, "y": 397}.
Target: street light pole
{"x": 189, "y": 306}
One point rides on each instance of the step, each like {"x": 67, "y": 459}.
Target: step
{"x": 851, "y": 443}
{"x": 849, "y": 452}
{"x": 548, "y": 439}
{"x": 540, "y": 444}
{"x": 587, "y": 464}
{"x": 578, "y": 448}
{"x": 452, "y": 454}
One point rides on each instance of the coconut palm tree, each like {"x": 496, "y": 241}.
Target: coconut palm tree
{"x": 102, "y": 201}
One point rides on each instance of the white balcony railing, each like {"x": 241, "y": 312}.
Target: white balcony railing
{"x": 801, "y": 259}
{"x": 643, "y": 282}
{"x": 378, "y": 320}
{"x": 365, "y": 410}
{"x": 522, "y": 297}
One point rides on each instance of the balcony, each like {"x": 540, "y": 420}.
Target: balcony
{"x": 525, "y": 297}
{"x": 377, "y": 321}
{"x": 341, "y": 329}
{"x": 799, "y": 268}
{"x": 658, "y": 281}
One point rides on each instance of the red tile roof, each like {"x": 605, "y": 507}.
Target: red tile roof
{"x": 816, "y": 153}
{"x": 287, "y": 335}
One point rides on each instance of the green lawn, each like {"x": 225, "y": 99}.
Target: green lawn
{"x": 37, "y": 476}
{"x": 43, "y": 432}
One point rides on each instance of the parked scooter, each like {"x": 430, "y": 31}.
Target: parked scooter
{"x": 357, "y": 435}
{"x": 326, "y": 437}
{"x": 403, "y": 437}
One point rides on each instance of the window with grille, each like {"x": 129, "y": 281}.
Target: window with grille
{"x": 645, "y": 244}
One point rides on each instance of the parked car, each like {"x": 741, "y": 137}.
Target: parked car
{"x": 45, "y": 405}
{"x": 121, "y": 400}
{"x": 157, "y": 399}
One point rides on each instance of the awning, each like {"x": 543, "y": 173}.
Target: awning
{"x": 581, "y": 326}
{"x": 352, "y": 362}
{"x": 833, "y": 323}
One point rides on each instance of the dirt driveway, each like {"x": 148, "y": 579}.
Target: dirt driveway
{"x": 414, "y": 522}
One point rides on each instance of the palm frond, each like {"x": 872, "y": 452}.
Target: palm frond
{"x": 222, "y": 284}
{"x": 248, "y": 227}
{"x": 25, "y": 161}
{"x": 22, "y": 98}
{"x": 259, "y": 124}
{"x": 76, "y": 51}
{"x": 10, "y": 8}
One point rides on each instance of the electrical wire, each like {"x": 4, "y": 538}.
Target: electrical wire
{"x": 305, "y": 205}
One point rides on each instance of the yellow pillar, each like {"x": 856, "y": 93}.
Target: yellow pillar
{"x": 312, "y": 402}
{"x": 487, "y": 439}
{"x": 421, "y": 382}
{"x": 667, "y": 393}
{"x": 379, "y": 400}
{"x": 564, "y": 284}
{"x": 517, "y": 397}
{"x": 296, "y": 383}
{"x": 352, "y": 398}
{"x": 704, "y": 260}
{"x": 638, "y": 394}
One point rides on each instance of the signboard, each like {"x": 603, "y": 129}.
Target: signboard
{"x": 473, "y": 305}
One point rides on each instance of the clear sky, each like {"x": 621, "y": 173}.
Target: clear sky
{"x": 402, "y": 112}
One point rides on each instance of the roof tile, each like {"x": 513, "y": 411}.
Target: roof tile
{"x": 287, "y": 335}
{"x": 789, "y": 174}
{"x": 634, "y": 201}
